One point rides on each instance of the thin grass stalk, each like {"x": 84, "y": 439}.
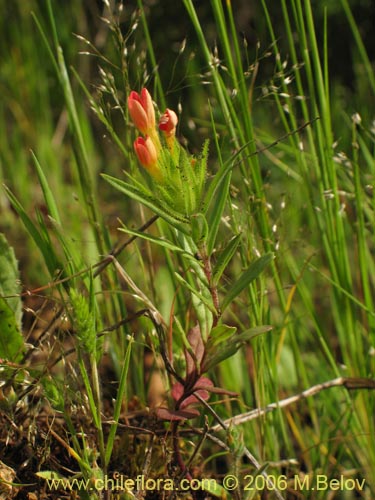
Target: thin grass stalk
{"x": 94, "y": 399}
{"x": 150, "y": 49}
{"x": 361, "y": 229}
{"x": 329, "y": 220}
{"x": 243, "y": 134}
{"x": 360, "y": 45}
{"x": 335, "y": 230}
{"x": 291, "y": 123}
{"x": 85, "y": 177}
{"x": 335, "y": 241}
{"x": 241, "y": 131}
{"x": 120, "y": 398}
{"x": 230, "y": 115}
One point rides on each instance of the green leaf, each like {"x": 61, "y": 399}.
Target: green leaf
{"x": 224, "y": 258}
{"x": 251, "y": 273}
{"x": 158, "y": 241}
{"x": 219, "y": 334}
{"x": 219, "y": 178}
{"x": 228, "y": 348}
{"x": 72, "y": 256}
{"x": 217, "y": 194}
{"x": 9, "y": 278}
{"x": 251, "y": 333}
{"x": 187, "y": 182}
{"x": 47, "y": 193}
{"x": 171, "y": 216}
{"x": 11, "y": 340}
{"x": 207, "y": 302}
{"x": 220, "y": 354}
{"x": 40, "y": 238}
{"x": 121, "y": 397}
{"x": 199, "y": 228}
{"x": 214, "y": 216}
{"x": 201, "y": 167}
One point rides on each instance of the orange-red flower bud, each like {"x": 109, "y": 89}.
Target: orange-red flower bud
{"x": 147, "y": 155}
{"x": 142, "y": 111}
{"x": 146, "y": 151}
{"x": 168, "y": 122}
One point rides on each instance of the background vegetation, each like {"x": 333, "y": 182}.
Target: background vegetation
{"x": 285, "y": 92}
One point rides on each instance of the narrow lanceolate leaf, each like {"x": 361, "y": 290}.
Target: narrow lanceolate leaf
{"x": 11, "y": 340}
{"x": 224, "y": 258}
{"x": 158, "y": 241}
{"x": 218, "y": 335}
{"x": 247, "y": 277}
{"x": 171, "y": 216}
{"x": 214, "y": 217}
{"x": 207, "y": 302}
{"x": 252, "y": 332}
{"x": 217, "y": 354}
{"x": 219, "y": 178}
{"x": 40, "y": 237}
{"x": 199, "y": 228}
{"x": 47, "y": 193}
{"x": 119, "y": 405}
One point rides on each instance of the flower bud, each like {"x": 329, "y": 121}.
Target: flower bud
{"x": 142, "y": 111}
{"x": 147, "y": 155}
{"x": 168, "y": 122}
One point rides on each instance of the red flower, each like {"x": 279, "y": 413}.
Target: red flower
{"x": 168, "y": 122}
{"x": 142, "y": 111}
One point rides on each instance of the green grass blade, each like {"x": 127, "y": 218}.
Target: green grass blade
{"x": 40, "y": 238}
{"x": 361, "y": 47}
{"x": 121, "y": 396}
{"x": 224, "y": 258}
{"x": 47, "y": 193}
{"x": 247, "y": 277}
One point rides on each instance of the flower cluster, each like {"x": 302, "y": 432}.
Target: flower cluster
{"x": 178, "y": 178}
{"x": 148, "y": 148}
